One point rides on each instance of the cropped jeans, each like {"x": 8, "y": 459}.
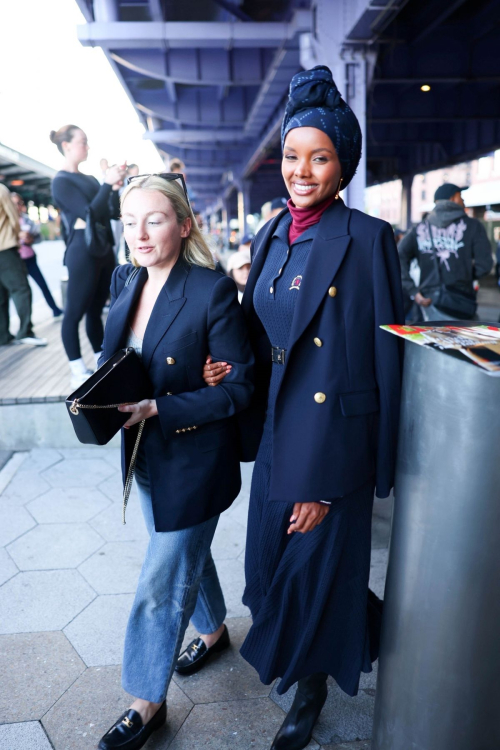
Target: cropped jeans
{"x": 178, "y": 582}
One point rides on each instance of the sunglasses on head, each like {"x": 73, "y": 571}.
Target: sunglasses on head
{"x": 169, "y": 176}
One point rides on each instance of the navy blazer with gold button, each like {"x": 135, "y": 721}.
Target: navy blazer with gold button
{"x": 337, "y": 410}
{"x": 191, "y": 446}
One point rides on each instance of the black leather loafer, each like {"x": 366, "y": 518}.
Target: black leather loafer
{"x": 197, "y": 654}
{"x": 296, "y": 731}
{"x": 129, "y": 733}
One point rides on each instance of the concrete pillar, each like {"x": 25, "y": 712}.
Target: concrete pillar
{"x": 243, "y": 206}
{"x": 226, "y": 216}
{"x": 407, "y": 182}
{"x": 106, "y": 11}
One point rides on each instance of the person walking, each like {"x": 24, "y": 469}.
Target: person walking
{"x": 452, "y": 250}
{"x": 82, "y": 200}
{"x": 173, "y": 308}
{"x": 323, "y": 422}
{"x": 13, "y": 278}
{"x": 29, "y": 236}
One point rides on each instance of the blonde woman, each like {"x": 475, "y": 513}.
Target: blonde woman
{"x": 173, "y": 311}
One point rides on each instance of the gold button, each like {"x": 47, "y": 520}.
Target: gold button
{"x": 332, "y": 291}
{"x": 170, "y": 361}
{"x": 318, "y": 342}
{"x": 320, "y": 398}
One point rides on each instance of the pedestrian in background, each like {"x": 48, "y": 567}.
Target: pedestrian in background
{"x": 13, "y": 277}
{"x": 323, "y": 423}
{"x": 452, "y": 250}
{"x": 238, "y": 268}
{"x": 82, "y": 200}
{"x": 29, "y": 236}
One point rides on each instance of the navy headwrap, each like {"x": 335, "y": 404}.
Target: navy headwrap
{"x": 314, "y": 101}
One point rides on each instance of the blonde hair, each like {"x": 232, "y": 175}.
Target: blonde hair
{"x": 194, "y": 247}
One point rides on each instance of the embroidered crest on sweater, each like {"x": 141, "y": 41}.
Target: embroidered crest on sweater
{"x": 296, "y": 283}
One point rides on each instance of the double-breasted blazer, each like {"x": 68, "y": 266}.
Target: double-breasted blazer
{"x": 337, "y": 410}
{"x": 191, "y": 447}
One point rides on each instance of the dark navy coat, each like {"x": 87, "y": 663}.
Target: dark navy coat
{"x": 191, "y": 447}
{"x": 351, "y": 285}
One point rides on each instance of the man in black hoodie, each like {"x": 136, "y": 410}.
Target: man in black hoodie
{"x": 450, "y": 248}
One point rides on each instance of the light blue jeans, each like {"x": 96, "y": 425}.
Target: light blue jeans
{"x": 178, "y": 582}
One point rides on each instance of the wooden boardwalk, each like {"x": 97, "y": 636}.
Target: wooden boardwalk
{"x": 39, "y": 374}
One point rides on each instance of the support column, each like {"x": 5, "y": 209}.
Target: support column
{"x": 407, "y": 182}
{"x": 226, "y": 216}
{"x": 243, "y": 206}
{"x": 106, "y": 11}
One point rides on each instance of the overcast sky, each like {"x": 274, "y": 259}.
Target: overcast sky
{"x": 48, "y": 79}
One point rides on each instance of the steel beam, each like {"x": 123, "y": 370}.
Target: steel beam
{"x": 194, "y": 136}
{"x": 179, "y": 34}
{"x": 418, "y": 79}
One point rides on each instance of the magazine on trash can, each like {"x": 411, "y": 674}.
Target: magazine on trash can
{"x": 479, "y": 344}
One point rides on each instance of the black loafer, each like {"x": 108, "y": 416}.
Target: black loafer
{"x": 197, "y": 654}
{"x": 129, "y": 733}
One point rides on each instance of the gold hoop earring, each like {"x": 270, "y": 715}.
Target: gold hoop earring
{"x": 337, "y": 194}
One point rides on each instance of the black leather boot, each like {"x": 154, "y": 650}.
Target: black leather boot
{"x": 296, "y": 731}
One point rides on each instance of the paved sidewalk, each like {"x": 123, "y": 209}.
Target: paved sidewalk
{"x": 68, "y": 570}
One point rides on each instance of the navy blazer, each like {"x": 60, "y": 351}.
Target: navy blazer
{"x": 351, "y": 286}
{"x": 191, "y": 446}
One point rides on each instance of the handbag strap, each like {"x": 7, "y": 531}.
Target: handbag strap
{"x": 131, "y": 469}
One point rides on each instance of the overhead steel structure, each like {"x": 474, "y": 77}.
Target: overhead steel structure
{"x": 209, "y": 79}
{"x": 26, "y": 176}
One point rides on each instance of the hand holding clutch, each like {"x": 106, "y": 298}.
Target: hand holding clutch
{"x": 142, "y": 410}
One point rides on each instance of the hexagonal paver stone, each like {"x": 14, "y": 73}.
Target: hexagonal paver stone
{"x": 95, "y": 701}
{"x": 71, "y": 505}
{"x": 40, "y": 459}
{"x": 343, "y": 719}
{"x": 232, "y": 579}
{"x": 7, "y": 567}
{"x": 113, "y": 488}
{"x": 25, "y": 486}
{"x": 362, "y": 745}
{"x": 78, "y": 473}
{"x": 228, "y": 676}
{"x": 28, "y": 735}
{"x": 235, "y": 725}
{"x": 13, "y": 522}
{"x": 110, "y": 527}
{"x": 239, "y": 510}
{"x": 229, "y": 539}
{"x": 115, "y": 568}
{"x": 55, "y": 545}
{"x": 35, "y": 670}
{"x": 42, "y": 600}
{"x": 99, "y": 632}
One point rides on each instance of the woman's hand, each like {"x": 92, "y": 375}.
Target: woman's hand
{"x": 215, "y": 372}
{"x": 115, "y": 175}
{"x": 142, "y": 410}
{"x": 306, "y": 516}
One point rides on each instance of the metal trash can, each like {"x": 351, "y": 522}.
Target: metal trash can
{"x": 439, "y": 673}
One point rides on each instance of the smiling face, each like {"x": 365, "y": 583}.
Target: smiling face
{"x": 151, "y": 229}
{"x": 311, "y": 168}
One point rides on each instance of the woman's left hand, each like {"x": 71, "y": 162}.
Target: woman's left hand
{"x": 306, "y": 516}
{"x": 142, "y": 410}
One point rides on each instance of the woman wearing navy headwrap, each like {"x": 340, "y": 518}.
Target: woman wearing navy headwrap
{"x": 323, "y": 425}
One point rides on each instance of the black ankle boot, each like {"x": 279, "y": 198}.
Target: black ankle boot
{"x": 296, "y": 731}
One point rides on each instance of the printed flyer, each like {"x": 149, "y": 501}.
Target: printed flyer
{"x": 479, "y": 344}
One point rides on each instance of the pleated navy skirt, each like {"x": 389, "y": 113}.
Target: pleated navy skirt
{"x": 308, "y": 593}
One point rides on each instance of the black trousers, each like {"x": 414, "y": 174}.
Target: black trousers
{"x": 89, "y": 280}
{"x": 37, "y": 276}
{"x": 14, "y": 283}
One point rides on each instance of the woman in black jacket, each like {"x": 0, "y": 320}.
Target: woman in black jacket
{"x": 172, "y": 309}
{"x": 322, "y": 426}
{"x": 89, "y": 268}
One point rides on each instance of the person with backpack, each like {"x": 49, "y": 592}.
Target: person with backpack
{"x": 452, "y": 250}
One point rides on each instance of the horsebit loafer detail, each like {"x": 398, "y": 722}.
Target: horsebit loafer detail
{"x": 197, "y": 654}
{"x": 129, "y": 733}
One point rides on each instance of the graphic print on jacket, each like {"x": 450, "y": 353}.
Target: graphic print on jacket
{"x": 445, "y": 242}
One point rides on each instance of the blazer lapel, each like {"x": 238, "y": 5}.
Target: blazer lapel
{"x": 169, "y": 303}
{"x": 325, "y": 257}
{"x": 117, "y": 322}
{"x": 261, "y": 248}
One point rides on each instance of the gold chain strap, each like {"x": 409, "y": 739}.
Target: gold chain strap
{"x": 131, "y": 469}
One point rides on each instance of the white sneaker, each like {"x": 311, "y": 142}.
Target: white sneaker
{"x": 79, "y": 379}
{"x": 31, "y": 341}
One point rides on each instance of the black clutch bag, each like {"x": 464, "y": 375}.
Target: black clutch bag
{"x": 93, "y": 406}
